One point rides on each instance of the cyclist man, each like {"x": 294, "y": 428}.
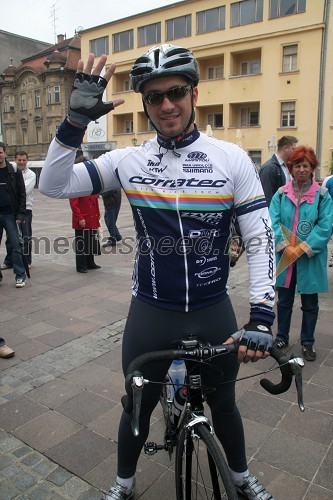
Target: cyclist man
{"x": 184, "y": 189}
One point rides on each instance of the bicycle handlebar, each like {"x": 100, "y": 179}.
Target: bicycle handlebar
{"x": 288, "y": 367}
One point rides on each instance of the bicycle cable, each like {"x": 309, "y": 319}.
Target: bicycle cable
{"x": 273, "y": 368}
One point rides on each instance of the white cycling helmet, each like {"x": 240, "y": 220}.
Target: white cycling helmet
{"x": 165, "y": 60}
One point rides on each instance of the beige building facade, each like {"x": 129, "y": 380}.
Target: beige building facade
{"x": 266, "y": 70}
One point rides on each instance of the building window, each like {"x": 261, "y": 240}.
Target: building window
{"x": 178, "y": 27}
{"x": 281, "y": 8}
{"x": 57, "y": 94}
{"x": 23, "y": 102}
{"x": 38, "y": 103}
{"x": 128, "y": 127}
{"x": 122, "y": 41}
{"x": 289, "y": 61}
{"x": 215, "y": 72}
{"x": 11, "y": 103}
{"x": 49, "y": 95}
{"x": 250, "y": 68}
{"x": 288, "y": 114}
{"x": 11, "y": 137}
{"x": 211, "y": 20}
{"x": 215, "y": 120}
{"x": 5, "y": 105}
{"x": 149, "y": 35}
{"x": 24, "y": 129}
{"x": 249, "y": 116}
{"x": 246, "y": 12}
{"x": 100, "y": 46}
{"x": 255, "y": 157}
{"x": 127, "y": 85}
{"x": 39, "y": 134}
{"x": 150, "y": 127}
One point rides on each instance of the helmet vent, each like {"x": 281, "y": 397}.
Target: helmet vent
{"x": 176, "y": 62}
{"x": 157, "y": 57}
{"x": 177, "y": 50}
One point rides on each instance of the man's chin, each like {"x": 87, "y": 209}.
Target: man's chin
{"x": 170, "y": 132}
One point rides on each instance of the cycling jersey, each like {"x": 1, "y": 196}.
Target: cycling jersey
{"x": 184, "y": 196}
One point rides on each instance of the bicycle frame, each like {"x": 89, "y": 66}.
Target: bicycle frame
{"x": 199, "y": 466}
{"x": 191, "y": 414}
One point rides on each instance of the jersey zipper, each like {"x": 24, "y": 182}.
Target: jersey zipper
{"x": 176, "y": 177}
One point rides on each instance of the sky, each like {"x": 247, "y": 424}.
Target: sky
{"x": 44, "y": 19}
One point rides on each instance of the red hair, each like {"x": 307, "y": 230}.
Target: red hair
{"x": 301, "y": 154}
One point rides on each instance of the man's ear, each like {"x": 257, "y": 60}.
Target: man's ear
{"x": 195, "y": 96}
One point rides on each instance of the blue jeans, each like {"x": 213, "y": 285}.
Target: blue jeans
{"x": 8, "y": 222}
{"x": 26, "y": 228}
{"x": 309, "y": 307}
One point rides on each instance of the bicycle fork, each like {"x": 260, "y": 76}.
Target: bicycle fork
{"x": 170, "y": 437}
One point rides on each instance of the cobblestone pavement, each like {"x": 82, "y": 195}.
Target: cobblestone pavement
{"x": 59, "y": 395}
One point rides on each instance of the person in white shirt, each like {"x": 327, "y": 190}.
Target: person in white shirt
{"x": 21, "y": 159}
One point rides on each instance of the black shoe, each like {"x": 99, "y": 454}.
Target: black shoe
{"x": 81, "y": 270}
{"x": 109, "y": 244}
{"x": 280, "y": 344}
{"x": 308, "y": 352}
{"x": 94, "y": 266}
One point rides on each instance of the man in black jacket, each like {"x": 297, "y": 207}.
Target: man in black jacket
{"x": 274, "y": 173}
{"x": 112, "y": 202}
{"x": 12, "y": 209}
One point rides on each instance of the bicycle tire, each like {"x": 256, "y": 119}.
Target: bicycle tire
{"x": 200, "y": 469}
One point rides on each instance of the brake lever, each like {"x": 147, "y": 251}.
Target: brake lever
{"x": 297, "y": 364}
{"x": 137, "y": 388}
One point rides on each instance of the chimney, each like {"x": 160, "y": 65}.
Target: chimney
{"x": 60, "y": 38}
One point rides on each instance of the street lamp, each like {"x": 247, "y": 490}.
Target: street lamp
{"x": 134, "y": 141}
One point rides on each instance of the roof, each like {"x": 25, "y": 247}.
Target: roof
{"x": 66, "y": 53}
{"x": 72, "y": 43}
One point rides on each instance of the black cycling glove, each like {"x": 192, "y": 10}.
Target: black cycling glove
{"x": 255, "y": 335}
{"x": 86, "y": 102}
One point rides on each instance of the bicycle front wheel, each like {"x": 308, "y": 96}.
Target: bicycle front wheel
{"x": 201, "y": 471}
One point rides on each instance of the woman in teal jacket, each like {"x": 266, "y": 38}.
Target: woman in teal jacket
{"x": 301, "y": 213}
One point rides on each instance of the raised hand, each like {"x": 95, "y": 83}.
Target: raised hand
{"x": 86, "y": 102}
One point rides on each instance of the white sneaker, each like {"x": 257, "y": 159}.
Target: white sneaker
{"x": 253, "y": 490}
{"x": 6, "y": 266}
{"x": 20, "y": 282}
{"x": 118, "y": 492}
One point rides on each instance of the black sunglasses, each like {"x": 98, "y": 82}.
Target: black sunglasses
{"x": 173, "y": 94}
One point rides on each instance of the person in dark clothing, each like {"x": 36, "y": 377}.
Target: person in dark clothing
{"x": 12, "y": 210}
{"x": 29, "y": 177}
{"x": 274, "y": 173}
{"x": 112, "y": 202}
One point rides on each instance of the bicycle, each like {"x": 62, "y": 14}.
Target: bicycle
{"x": 200, "y": 467}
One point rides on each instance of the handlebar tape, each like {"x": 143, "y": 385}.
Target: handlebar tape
{"x": 286, "y": 372}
